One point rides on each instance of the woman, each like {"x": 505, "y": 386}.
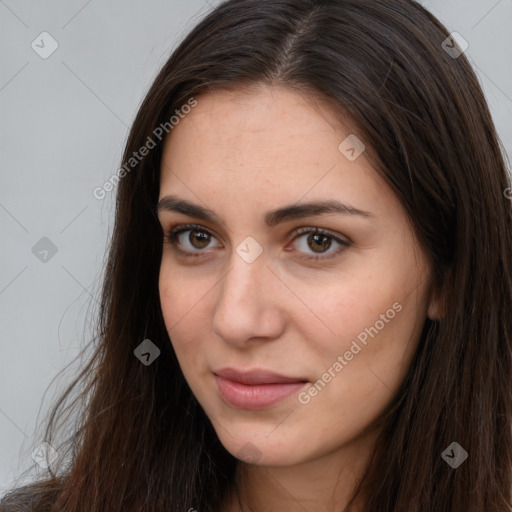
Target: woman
{"x": 306, "y": 303}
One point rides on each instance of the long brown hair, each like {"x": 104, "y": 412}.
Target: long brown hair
{"x": 141, "y": 441}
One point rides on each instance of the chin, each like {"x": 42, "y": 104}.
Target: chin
{"x": 255, "y": 448}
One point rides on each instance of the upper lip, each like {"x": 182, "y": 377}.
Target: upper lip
{"x": 255, "y": 376}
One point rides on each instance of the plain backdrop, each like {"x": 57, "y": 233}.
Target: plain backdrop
{"x": 64, "y": 120}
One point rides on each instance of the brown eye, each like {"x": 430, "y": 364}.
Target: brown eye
{"x": 199, "y": 239}
{"x": 318, "y": 243}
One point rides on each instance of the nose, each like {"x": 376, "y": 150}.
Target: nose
{"x": 248, "y": 306}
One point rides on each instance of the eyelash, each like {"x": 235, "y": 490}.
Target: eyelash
{"x": 172, "y": 235}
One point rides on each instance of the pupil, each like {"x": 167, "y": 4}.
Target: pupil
{"x": 200, "y": 236}
{"x": 318, "y": 239}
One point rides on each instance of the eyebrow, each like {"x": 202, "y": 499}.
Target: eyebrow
{"x": 272, "y": 217}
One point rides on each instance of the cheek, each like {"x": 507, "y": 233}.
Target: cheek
{"x": 369, "y": 320}
{"x": 361, "y": 370}
{"x": 182, "y": 304}
{"x": 171, "y": 301}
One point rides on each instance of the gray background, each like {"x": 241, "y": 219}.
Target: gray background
{"x": 64, "y": 122}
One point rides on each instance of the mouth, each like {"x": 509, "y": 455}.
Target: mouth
{"x": 255, "y": 389}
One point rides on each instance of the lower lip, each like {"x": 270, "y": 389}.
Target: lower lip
{"x": 260, "y": 396}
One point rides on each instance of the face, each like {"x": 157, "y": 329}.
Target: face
{"x": 294, "y": 325}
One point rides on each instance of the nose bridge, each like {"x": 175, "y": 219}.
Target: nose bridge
{"x": 242, "y": 280}
{"x": 244, "y": 307}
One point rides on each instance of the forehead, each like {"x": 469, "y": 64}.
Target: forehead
{"x": 267, "y": 145}
{"x": 259, "y": 114}
{"x": 229, "y": 129}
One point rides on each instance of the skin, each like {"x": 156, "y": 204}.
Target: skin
{"x": 242, "y": 153}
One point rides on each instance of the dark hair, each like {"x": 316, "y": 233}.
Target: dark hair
{"x": 142, "y": 442}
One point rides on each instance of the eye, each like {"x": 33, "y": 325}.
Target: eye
{"x": 198, "y": 238}
{"x": 319, "y": 241}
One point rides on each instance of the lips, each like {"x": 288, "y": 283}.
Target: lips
{"x": 255, "y": 388}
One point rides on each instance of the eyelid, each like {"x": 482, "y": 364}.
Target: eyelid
{"x": 324, "y": 231}
{"x": 344, "y": 241}
{"x": 171, "y": 235}
{"x": 306, "y": 230}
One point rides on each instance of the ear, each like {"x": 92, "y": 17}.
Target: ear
{"x": 436, "y": 307}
